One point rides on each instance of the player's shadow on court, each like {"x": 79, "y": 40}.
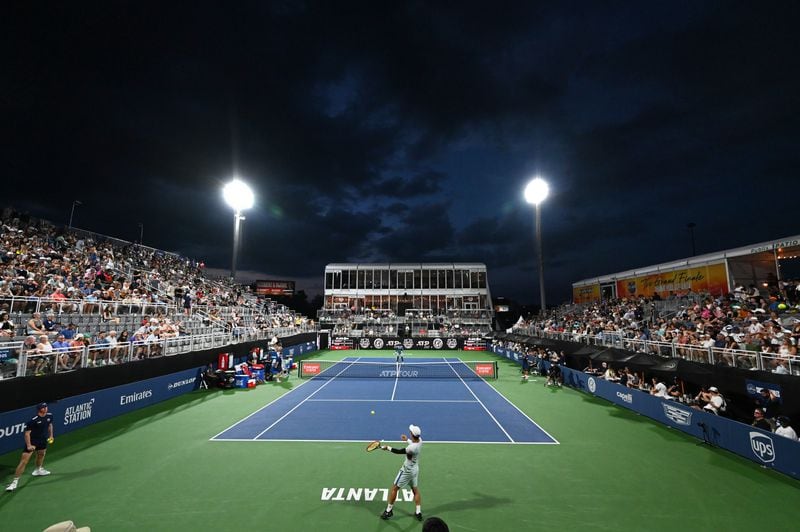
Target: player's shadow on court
{"x": 481, "y": 501}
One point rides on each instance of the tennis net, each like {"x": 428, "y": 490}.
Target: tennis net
{"x": 329, "y": 369}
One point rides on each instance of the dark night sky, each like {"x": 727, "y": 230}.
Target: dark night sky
{"x": 407, "y": 132}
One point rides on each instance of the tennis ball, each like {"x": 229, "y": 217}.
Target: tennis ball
{"x": 372, "y": 412}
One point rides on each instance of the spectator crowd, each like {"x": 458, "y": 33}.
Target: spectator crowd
{"x": 51, "y": 278}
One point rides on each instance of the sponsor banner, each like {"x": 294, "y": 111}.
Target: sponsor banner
{"x": 311, "y": 368}
{"x": 341, "y": 342}
{"x": 385, "y": 342}
{"x": 586, "y": 294}
{"x": 474, "y": 344}
{"x": 764, "y": 448}
{"x": 83, "y": 410}
{"x": 296, "y": 350}
{"x": 754, "y": 388}
{"x": 484, "y": 370}
{"x": 711, "y": 278}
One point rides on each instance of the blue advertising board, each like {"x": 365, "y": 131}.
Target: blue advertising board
{"x": 762, "y": 447}
{"x": 82, "y": 410}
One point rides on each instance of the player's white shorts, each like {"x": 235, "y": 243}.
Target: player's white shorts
{"x": 407, "y": 476}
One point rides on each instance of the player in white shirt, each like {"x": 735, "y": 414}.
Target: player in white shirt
{"x": 409, "y": 472}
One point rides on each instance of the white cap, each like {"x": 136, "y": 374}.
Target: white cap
{"x": 713, "y": 389}
{"x": 414, "y": 430}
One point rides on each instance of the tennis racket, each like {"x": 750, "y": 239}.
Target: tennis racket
{"x": 373, "y": 445}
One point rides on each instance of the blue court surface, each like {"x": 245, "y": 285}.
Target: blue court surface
{"x": 449, "y": 410}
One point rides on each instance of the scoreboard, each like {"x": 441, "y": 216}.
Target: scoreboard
{"x": 275, "y": 288}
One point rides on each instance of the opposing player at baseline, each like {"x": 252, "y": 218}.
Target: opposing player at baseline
{"x": 409, "y": 472}
{"x": 398, "y": 353}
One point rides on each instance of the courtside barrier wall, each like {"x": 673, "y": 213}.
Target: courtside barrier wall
{"x": 79, "y": 411}
{"x": 82, "y": 410}
{"x": 24, "y": 391}
{"x": 764, "y": 448}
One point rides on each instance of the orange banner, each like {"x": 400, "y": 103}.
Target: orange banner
{"x": 712, "y": 279}
{"x": 586, "y": 294}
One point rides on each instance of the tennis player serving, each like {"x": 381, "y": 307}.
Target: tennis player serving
{"x": 409, "y": 472}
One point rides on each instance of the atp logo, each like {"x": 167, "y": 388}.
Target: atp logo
{"x": 762, "y": 447}
{"x": 378, "y": 343}
{"x": 364, "y": 343}
{"x": 452, "y": 343}
{"x": 438, "y": 343}
{"x": 408, "y": 343}
{"x": 591, "y": 385}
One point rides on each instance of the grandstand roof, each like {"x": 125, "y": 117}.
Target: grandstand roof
{"x": 406, "y": 265}
{"x": 698, "y": 260}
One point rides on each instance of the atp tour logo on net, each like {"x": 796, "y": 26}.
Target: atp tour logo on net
{"x": 401, "y": 373}
{"x": 762, "y": 447}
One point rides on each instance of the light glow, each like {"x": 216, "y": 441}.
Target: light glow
{"x": 536, "y": 191}
{"x": 238, "y": 195}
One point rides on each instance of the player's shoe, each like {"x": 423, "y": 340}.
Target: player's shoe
{"x": 387, "y": 514}
{"x": 12, "y": 486}
{"x": 40, "y": 472}
{"x": 418, "y": 516}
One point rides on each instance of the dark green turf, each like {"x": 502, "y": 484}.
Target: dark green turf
{"x": 156, "y": 469}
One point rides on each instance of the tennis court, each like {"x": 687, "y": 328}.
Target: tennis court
{"x": 158, "y": 469}
{"x": 367, "y": 398}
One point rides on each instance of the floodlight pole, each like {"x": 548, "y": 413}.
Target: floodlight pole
{"x": 72, "y": 212}
{"x": 237, "y": 217}
{"x": 541, "y": 256}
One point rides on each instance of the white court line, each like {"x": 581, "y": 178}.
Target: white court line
{"x": 263, "y": 407}
{"x": 390, "y": 441}
{"x": 391, "y": 401}
{"x": 481, "y": 402}
{"x": 306, "y": 399}
{"x": 396, "y": 378}
{"x": 495, "y": 390}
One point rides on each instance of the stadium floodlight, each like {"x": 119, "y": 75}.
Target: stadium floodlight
{"x": 239, "y": 197}
{"x": 535, "y": 193}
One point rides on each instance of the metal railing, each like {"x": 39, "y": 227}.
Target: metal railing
{"x": 17, "y": 361}
{"x": 30, "y": 304}
{"x": 737, "y": 358}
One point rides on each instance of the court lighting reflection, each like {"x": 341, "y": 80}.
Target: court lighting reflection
{"x": 535, "y": 193}
{"x": 239, "y": 197}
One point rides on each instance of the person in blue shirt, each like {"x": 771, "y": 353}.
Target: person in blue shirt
{"x": 69, "y": 331}
{"x": 50, "y": 324}
{"x": 275, "y": 364}
{"x": 62, "y": 345}
{"x": 38, "y": 433}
